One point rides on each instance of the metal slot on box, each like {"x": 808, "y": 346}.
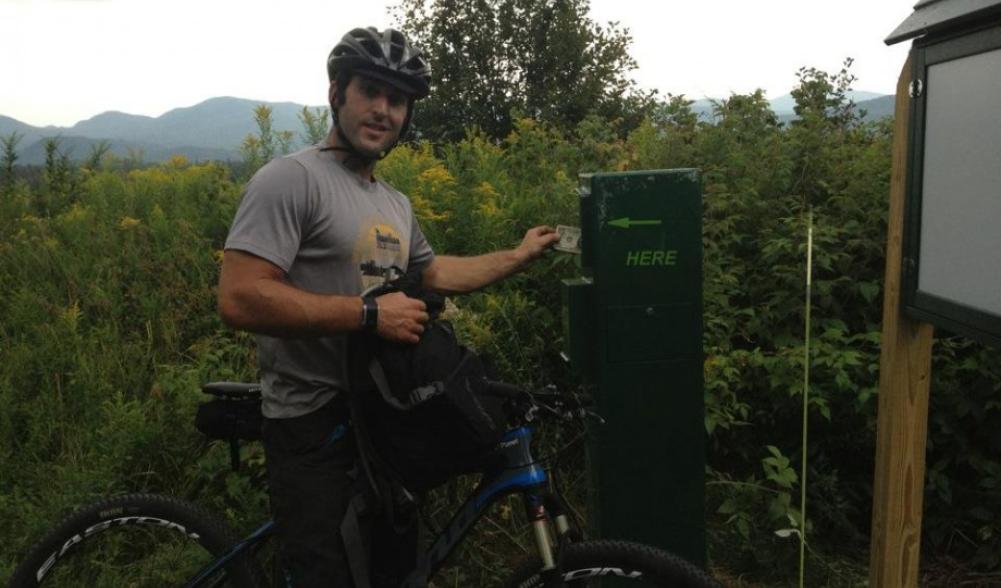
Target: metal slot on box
{"x": 588, "y": 223}
{"x": 578, "y": 317}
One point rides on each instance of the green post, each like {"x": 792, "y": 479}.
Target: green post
{"x": 633, "y": 330}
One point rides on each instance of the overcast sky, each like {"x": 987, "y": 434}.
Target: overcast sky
{"x": 62, "y": 61}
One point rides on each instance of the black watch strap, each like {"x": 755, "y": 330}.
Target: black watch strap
{"x": 369, "y": 313}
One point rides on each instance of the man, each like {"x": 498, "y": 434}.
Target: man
{"x": 313, "y": 230}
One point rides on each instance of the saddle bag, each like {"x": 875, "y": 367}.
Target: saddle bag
{"x": 230, "y": 419}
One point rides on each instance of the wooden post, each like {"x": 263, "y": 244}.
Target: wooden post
{"x": 904, "y": 378}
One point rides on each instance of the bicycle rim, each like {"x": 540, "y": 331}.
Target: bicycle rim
{"x": 137, "y": 555}
{"x": 616, "y": 564}
{"x": 135, "y": 541}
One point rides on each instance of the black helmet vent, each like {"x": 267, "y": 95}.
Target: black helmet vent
{"x": 386, "y": 55}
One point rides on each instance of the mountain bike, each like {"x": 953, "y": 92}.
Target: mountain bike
{"x": 156, "y": 541}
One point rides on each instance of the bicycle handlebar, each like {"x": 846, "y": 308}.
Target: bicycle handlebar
{"x": 505, "y": 390}
{"x": 548, "y": 399}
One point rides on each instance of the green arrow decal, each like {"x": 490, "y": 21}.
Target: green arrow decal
{"x": 625, "y": 223}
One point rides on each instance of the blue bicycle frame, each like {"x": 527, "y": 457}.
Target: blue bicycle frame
{"x": 513, "y": 470}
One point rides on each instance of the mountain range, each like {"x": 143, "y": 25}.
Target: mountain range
{"x": 215, "y": 128}
{"x": 876, "y": 106}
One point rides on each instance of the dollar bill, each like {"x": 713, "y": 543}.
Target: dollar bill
{"x": 569, "y": 239}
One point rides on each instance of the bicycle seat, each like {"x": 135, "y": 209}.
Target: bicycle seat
{"x": 233, "y": 390}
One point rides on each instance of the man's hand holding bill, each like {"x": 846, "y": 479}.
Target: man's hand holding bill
{"x": 536, "y": 241}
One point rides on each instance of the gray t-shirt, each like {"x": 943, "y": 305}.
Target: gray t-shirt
{"x": 332, "y": 232}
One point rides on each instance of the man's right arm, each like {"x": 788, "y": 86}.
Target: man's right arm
{"x": 254, "y": 295}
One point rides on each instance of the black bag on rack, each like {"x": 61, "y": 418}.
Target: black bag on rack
{"x": 230, "y": 419}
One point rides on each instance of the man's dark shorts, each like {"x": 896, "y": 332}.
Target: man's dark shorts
{"x": 313, "y": 475}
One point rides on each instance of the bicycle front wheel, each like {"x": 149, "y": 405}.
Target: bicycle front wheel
{"x": 616, "y": 563}
{"x": 137, "y": 540}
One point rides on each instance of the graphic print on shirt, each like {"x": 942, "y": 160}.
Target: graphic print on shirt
{"x": 381, "y": 253}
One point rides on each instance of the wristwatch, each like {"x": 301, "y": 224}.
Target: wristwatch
{"x": 369, "y": 313}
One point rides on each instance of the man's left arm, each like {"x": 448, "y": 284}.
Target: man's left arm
{"x": 457, "y": 275}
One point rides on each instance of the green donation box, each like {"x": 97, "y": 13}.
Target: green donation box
{"x": 633, "y": 331}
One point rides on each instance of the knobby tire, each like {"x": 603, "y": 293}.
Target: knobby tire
{"x": 615, "y": 563}
{"x": 137, "y": 540}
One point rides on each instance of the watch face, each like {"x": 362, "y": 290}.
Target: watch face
{"x": 369, "y": 313}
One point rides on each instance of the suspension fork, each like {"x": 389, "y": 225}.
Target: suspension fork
{"x": 557, "y": 510}
{"x": 537, "y": 511}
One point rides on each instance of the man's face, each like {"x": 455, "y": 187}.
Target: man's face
{"x": 372, "y": 114}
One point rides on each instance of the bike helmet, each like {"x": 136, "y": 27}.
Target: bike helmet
{"x": 388, "y": 57}
{"x": 385, "y": 55}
